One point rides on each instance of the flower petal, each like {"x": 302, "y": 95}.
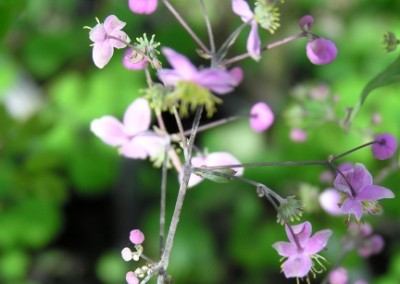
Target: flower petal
{"x": 98, "y": 33}
{"x": 217, "y": 81}
{"x": 317, "y": 242}
{"x": 297, "y": 267}
{"x": 180, "y": 63}
{"x": 329, "y": 201}
{"x": 109, "y": 130}
{"x": 102, "y": 53}
{"x": 253, "y": 42}
{"x": 143, "y": 6}
{"x": 113, "y": 24}
{"x": 285, "y": 248}
{"x": 374, "y": 192}
{"x": 351, "y": 206}
{"x": 242, "y": 9}
{"x": 134, "y": 149}
{"x": 121, "y": 35}
{"x": 321, "y": 51}
{"x": 137, "y": 117}
{"x": 302, "y": 232}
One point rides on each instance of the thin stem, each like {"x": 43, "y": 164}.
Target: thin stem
{"x": 163, "y": 198}
{"x": 336, "y": 169}
{"x": 181, "y": 131}
{"x": 186, "y": 26}
{"x": 267, "y": 47}
{"x": 209, "y": 29}
{"x": 272, "y": 164}
{"x": 352, "y": 150}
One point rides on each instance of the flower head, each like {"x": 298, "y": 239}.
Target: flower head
{"x": 261, "y": 117}
{"x": 216, "y": 80}
{"x": 213, "y": 159}
{"x": 136, "y": 237}
{"x": 102, "y": 36}
{"x": 132, "y": 136}
{"x": 302, "y": 249}
{"x": 385, "y": 146}
{"x": 321, "y": 51}
{"x": 143, "y": 6}
{"x": 338, "y": 276}
{"x": 361, "y": 195}
{"x": 242, "y": 9}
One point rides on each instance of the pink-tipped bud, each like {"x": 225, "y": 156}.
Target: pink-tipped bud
{"x": 385, "y": 146}
{"x": 131, "y": 278}
{"x": 261, "y": 117}
{"x": 321, "y": 51}
{"x": 306, "y": 22}
{"x": 136, "y": 237}
{"x": 143, "y": 6}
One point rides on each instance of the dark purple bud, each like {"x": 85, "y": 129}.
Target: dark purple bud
{"x": 385, "y": 146}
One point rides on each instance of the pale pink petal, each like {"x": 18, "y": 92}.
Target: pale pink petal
{"x": 137, "y": 117}
{"x": 302, "y": 232}
{"x": 253, "y": 42}
{"x": 351, "y": 206}
{"x": 222, "y": 159}
{"x": 134, "y": 149}
{"x": 317, "y": 242}
{"x": 102, "y": 53}
{"x": 374, "y": 192}
{"x": 217, "y": 81}
{"x": 112, "y": 24}
{"x": 143, "y": 6}
{"x": 121, "y": 35}
{"x": 297, "y": 267}
{"x": 180, "y": 63}
{"x": 169, "y": 77}
{"x": 153, "y": 143}
{"x": 109, "y": 130}
{"x": 329, "y": 201}
{"x": 242, "y": 9}
{"x": 237, "y": 74}
{"x": 130, "y": 63}
{"x": 285, "y": 248}
{"x": 98, "y": 33}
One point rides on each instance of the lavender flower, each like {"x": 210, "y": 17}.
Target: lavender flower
{"x": 302, "y": 249}
{"x": 321, "y": 51}
{"x": 242, "y": 9}
{"x": 216, "y": 80}
{"x": 143, "y": 6}
{"x": 360, "y": 194}
{"x": 103, "y": 45}
{"x": 385, "y": 146}
{"x": 132, "y": 136}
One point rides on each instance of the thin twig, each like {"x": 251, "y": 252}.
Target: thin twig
{"x": 209, "y": 29}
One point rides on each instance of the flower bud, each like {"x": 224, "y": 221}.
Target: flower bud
{"x": 306, "y": 22}
{"x": 143, "y": 6}
{"x": 385, "y": 146}
{"x": 321, "y": 51}
{"x": 136, "y": 237}
{"x": 261, "y": 117}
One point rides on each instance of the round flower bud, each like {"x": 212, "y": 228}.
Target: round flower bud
{"x": 261, "y": 117}
{"x": 385, "y": 146}
{"x": 321, "y": 51}
{"x": 126, "y": 254}
{"x": 136, "y": 237}
{"x": 298, "y": 135}
{"x": 142, "y": 6}
{"x": 338, "y": 276}
{"x": 306, "y": 22}
{"x": 131, "y": 278}
{"x": 133, "y": 60}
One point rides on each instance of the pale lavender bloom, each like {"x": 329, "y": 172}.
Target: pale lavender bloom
{"x": 329, "y": 200}
{"x": 362, "y": 195}
{"x": 213, "y": 159}
{"x": 103, "y": 45}
{"x": 301, "y": 250}
{"x": 131, "y": 278}
{"x": 261, "y": 117}
{"x": 143, "y": 6}
{"x": 136, "y": 237}
{"x": 338, "y": 276}
{"x": 321, "y": 51}
{"x": 216, "y": 80}
{"x": 132, "y": 136}
{"x": 385, "y": 146}
{"x": 242, "y": 9}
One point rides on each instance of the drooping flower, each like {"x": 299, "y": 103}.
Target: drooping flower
{"x": 103, "y": 43}
{"x": 143, "y": 6}
{"x": 302, "y": 250}
{"x": 261, "y": 117}
{"x": 132, "y": 137}
{"x": 385, "y": 146}
{"x": 360, "y": 194}
{"x": 242, "y": 9}
{"x": 321, "y": 51}
{"x": 131, "y": 278}
{"x": 216, "y": 80}
{"x": 213, "y": 159}
{"x": 136, "y": 237}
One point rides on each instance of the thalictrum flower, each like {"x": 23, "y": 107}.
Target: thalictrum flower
{"x": 338, "y": 276}
{"x": 213, "y": 159}
{"x": 216, "y": 80}
{"x": 385, "y": 146}
{"x": 132, "y": 64}
{"x": 143, "y": 6}
{"x": 132, "y": 137}
{"x": 131, "y": 278}
{"x": 103, "y": 45}
{"x": 242, "y": 9}
{"x": 360, "y": 194}
{"x": 136, "y": 237}
{"x": 321, "y": 51}
{"x": 261, "y": 117}
{"x": 302, "y": 249}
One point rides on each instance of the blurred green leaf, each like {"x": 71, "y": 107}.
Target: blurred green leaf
{"x": 13, "y": 265}
{"x": 111, "y": 268}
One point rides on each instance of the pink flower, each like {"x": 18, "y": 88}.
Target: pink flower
{"x": 132, "y": 136}
{"x": 321, "y": 51}
{"x": 338, "y": 276}
{"x": 103, "y": 45}
{"x": 143, "y": 6}
{"x": 361, "y": 194}
{"x": 216, "y": 80}
{"x": 362, "y": 239}
{"x": 131, "y": 278}
{"x": 132, "y": 64}
{"x": 136, "y": 237}
{"x": 261, "y": 117}
{"x": 385, "y": 146}
{"x": 213, "y": 159}
{"x": 242, "y": 9}
{"x": 298, "y": 135}
{"x": 329, "y": 200}
{"x": 301, "y": 250}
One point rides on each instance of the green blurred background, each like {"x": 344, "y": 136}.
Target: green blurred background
{"x": 68, "y": 201}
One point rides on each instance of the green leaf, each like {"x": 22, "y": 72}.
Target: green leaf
{"x": 388, "y": 76}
